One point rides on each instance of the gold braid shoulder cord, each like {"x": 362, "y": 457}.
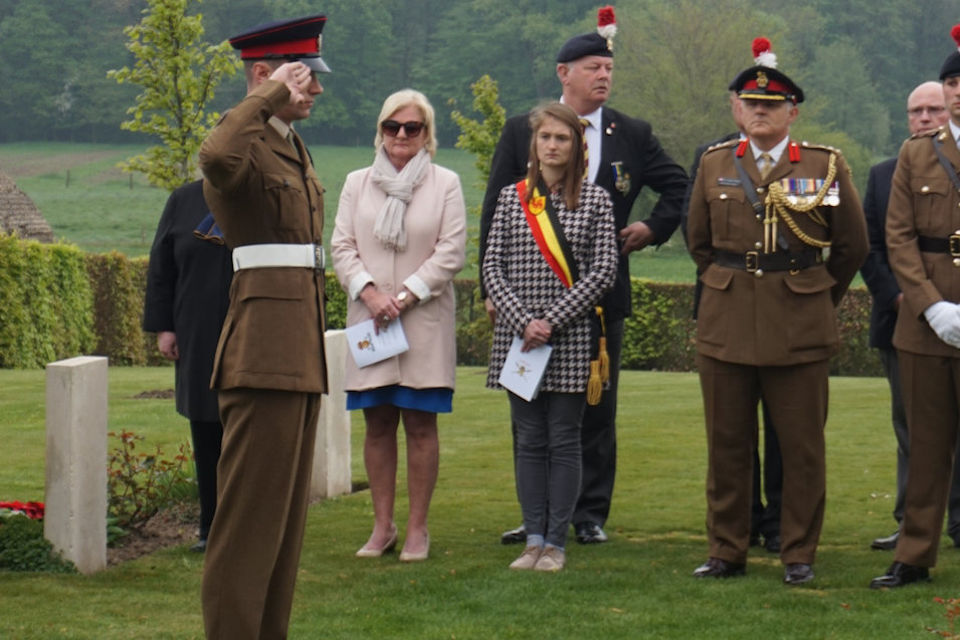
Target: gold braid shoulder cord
{"x": 777, "y": 205}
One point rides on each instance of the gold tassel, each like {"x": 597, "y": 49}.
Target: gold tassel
{"x": 604, "y": 359}
{"x": 595, "y": 384}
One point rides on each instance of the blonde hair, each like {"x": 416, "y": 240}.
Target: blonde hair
{"x": 406, "y": 98}
{"x": 573, "y": 176}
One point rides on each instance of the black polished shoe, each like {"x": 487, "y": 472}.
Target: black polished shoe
{"x": 589, "y": 533}
{"x": 200, "y": 546}
{"x": 514, "y": 536}
{"x": 717, "y": 568}
{"x": 772, "y": 543}
{"x": 797, "y": 573}
{"x": 900, "y": 574}
{"x": 886, "y": 544}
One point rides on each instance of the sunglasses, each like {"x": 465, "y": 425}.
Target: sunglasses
{"x": 392, "y": 128}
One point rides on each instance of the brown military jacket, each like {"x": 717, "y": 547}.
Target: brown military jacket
{"x": 261, "y": 190}
{"x": 779, "y": 317}
{"x": 923, "y": 201}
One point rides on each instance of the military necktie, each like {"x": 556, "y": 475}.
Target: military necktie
{"x": 584, "y": 123}
{"x": 766, "y": 164}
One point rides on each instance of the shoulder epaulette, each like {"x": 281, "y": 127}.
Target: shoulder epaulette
{"x": 723, "y": 145}
{"x": 940, "y": 133}
{"x": 821, "y": 147}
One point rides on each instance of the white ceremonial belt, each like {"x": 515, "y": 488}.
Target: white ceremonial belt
{"x": 257, "y": 256}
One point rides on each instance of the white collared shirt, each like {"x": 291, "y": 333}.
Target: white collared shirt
{"x": 594, "y": 140}
{"x": 775, "y": 153}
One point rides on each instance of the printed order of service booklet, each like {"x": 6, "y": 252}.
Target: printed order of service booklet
{"x": 523, "y": 372}
{"x": 368, "y": 347}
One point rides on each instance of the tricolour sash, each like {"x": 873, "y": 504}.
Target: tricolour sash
{"x": 548, "y": 234}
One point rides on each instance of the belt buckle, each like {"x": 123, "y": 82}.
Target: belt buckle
{"x": 319, "y": 259}
{"x": 954, "y": 244}
{"x": 752, "y": 261}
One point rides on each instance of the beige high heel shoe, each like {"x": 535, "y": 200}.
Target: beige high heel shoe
{"x": 420, "y": 556}
{"x": 368, "y": 552}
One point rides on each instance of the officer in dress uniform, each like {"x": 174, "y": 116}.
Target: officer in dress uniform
{"x": 269, "y": 366}
{"x": 762, "y": 212}
{"x": 923, "y": 243}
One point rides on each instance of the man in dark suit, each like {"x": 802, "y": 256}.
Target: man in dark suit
{"x": 925, "y": 111}
{"x": 623, "y": 157}
{"x": 764, "y": 518}
{"x": 188, "y": 284}
{"x": 270, "y": 366}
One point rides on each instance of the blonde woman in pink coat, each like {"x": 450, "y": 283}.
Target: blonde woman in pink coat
{"x": 397, "y": 244}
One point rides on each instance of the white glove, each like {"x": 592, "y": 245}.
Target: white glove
{"x": 944, "y": 318}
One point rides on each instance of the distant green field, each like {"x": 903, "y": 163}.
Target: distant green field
{"x": 89, "y": 202}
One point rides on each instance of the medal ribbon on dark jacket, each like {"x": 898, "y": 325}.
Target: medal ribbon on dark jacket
{"x": 548, "y": 233}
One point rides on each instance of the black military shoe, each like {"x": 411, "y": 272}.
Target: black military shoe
{"x": 717, "y": 568}
{"x": 900, "y": 574}
{"x": 797, "y": 573}
{"x": 589, "y": 533}
{"x": 886, "y": 544}
{"x": 772, "y": 543}
{"x": 514, "y": 536}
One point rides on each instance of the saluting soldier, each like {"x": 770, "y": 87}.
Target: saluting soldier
{"x": 923, "y": 242}
{"x": 269, "y": 366}
{"x": 762, "y": 213}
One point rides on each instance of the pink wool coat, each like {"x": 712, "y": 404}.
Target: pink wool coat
{"x": 435, "y": 223}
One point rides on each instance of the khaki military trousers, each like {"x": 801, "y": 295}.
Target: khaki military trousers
{"x": 931, "y": 398}
{"x": 796, "y": 396}
{"x": 263, "y": 490}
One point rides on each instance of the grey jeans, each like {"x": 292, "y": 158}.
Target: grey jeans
{"x": 548, "y": 461}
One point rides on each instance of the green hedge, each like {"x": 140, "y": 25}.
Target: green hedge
{"x": 57, "y": 302}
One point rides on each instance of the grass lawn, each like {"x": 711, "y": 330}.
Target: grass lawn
{"x": 636, "y": 586}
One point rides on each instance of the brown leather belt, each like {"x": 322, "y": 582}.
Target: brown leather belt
{"x": 754, "y": 261}
{"x": 950, "y": 244}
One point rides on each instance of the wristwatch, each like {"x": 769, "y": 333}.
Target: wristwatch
{"x": 402, "y": 297}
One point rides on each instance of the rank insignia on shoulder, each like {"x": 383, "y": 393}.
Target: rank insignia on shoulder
{"x": 621, "y": 178}
{"x": 804, "y": 191}
{"x": 728, "y": 182}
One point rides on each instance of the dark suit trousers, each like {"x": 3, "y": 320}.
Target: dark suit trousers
{"x": 796, "y": 396}
{"x": 931, "y": 397}
{"x": 206, "y": 438}
{"x": 598, "y": 442}
{"x": 264, "y": 487}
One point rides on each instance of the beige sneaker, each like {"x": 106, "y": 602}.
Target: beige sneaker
{"x": 552, "y": 559}
{"x": 527, "y": 559}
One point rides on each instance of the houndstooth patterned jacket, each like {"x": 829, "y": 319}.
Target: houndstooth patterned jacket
{"x": 523, "y": 287}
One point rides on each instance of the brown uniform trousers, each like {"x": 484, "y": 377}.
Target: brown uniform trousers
{"x": 269, "y": 369}
{"x": 768, "y": 336}
{"x": 924, "y": 202}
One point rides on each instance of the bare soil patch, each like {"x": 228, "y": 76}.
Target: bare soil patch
{"x": 154, "y": 394}
{"x": 173, "y": 526}
{"x": 27, "y": 164}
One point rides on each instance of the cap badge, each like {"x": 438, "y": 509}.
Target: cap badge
{"x": 762, "y": 80}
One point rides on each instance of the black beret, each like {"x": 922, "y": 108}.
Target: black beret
{"x": 588, "y": 44}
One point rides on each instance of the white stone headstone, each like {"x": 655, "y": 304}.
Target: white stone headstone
{"x": 331, "y": 457}
{"x": 75, "y": 515}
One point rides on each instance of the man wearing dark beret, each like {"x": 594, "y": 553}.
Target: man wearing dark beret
{"x": 923, "y": 242}
{"x": 762, "y": 211}
{"x": 269, "y": 366}
{"x": 623, "y": 157}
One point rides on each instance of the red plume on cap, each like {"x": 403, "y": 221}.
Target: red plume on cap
{"x": 763, "y": 53}
{"x": 955, "y": 34}
{"x": 606, "y": 22}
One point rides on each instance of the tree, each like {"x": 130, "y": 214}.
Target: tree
{"x": 178, "y": 73}
{"x": 480, "y": 138}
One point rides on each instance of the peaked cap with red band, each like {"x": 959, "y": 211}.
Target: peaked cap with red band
{"x": 764, "y": 81}
{"x": 951, "y": 66}
{"x": 296, "y": 40}
{"x": 592, "y": 44}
